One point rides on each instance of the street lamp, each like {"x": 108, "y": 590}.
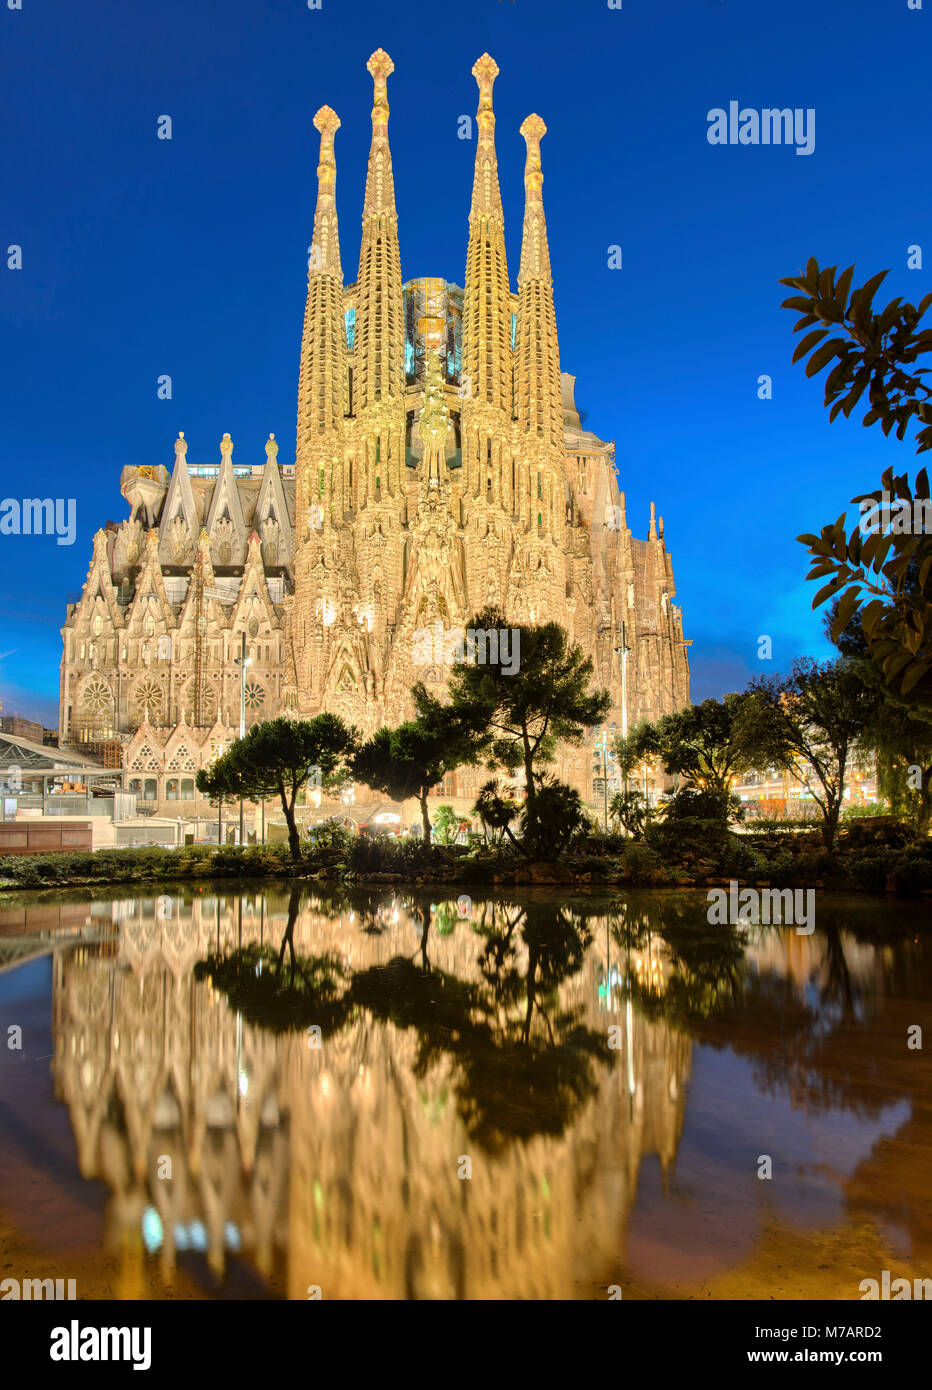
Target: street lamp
{"x": 600, "y": 759}
{"x": 242, "y": 661}
{"x": 623, "y": 651}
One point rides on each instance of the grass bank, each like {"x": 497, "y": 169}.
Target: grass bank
{"x": 873, "y": 858}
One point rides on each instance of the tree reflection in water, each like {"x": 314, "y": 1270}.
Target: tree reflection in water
{"x": 484, "y": 1030}
{"x": 524, "y": 1065}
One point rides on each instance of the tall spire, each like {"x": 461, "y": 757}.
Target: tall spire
{"x": 380, "y": 308}
{"x": 320, "y": 380}
{"x": 487, "y": 360}
{"x": 326, "y": 241}
{"x": 537, "y": 355}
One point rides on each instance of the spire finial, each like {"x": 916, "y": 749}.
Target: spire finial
{"x": 181, "y": 445}
{"x": 328, "y": 123}
{"x": 226, "y": 447}
{"x": 381, "y": 68}
{"x": 485, "y": 70}
{"x": 325, "y": 247}
{"x": 271, "y": 448}
{"x": 652, "y": 533}
{"x": 533, "y": 130}
{"x": 535, "y": 253}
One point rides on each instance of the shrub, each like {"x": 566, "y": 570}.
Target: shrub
{"x": 145, "y": 864}
{"x": 642, "y": 866}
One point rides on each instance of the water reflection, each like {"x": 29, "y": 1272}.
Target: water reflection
{"x": 387, "y": 1096}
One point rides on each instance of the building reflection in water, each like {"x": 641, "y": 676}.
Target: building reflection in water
{"x": 548, "y": 1045}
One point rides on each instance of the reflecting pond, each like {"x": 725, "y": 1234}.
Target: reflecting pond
{"x": 379, "y": 1094}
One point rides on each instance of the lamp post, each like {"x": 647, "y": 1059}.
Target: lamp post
{"x": 623, "y": 651}
{"x": 600, "y": 760}
{"x": 242, "y": 662}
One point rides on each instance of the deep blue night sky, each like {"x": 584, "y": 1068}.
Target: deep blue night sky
{"x": 188, "y": 256}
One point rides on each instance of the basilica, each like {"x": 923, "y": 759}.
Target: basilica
{"x": 441, "y": 466}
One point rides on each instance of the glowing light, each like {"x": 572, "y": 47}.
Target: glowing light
{"x": 152, "y": 1233}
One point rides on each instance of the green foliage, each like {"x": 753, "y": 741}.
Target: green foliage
{"x": 446, "y": 825}
{"x": 144, "y": 865}
{"x": 409, "y": 760}
{"x": 703, "y": 803}
{"x": 809, "y": 723}
{"x": 631, "y": 811}
{"x": 279, "y": 757}
{"x": 496, "y": 810}
{"x": 873, "y": 350}
{"x": 643, "y": 866}
{"x": 404, "y": 857}
{"x": 885, "y": 577}
{"x": 557, "y": 817}
{"x": 699, "y": 743}
{"x": 330, "y": 835}
{"x": 527, "y": 712}
{"x": 901, "y": 735}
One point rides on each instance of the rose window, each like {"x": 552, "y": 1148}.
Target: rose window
{"x": 255, "y": 695}
{"x": 148, "y": 697}
{"x": 97, "y": 696}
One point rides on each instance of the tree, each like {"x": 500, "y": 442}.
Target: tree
{"x": 626, "y": 758}
{"x": 446, "y": 825}
{"x": 873, "y": 350}
{"x": 557, "y": 816}
{"x": 496, "y": 810}
{"x": 884, "y": 575}
{"x": 280, "y": 757}
{"x": 817, "y": 716}
{"x": 630, "y": 811}
{"x": 884, "y": 567}
{"x": 529, "y": 710}
{"x": 901, "y": 734}
{"x": 409, "y": 760}
{"x": 699, "y": 743}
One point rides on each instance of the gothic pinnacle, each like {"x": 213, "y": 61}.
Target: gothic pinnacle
{"x": 379, "y": 352}
{"x": 485, "y": 70}
{"x": 538, "y": 397}
{"x": 486, "y": 194}
{"x": 381, "y": 68}
{"x": 535, "y": 254}
{"x": 487, "y": 366}
{"x": 325, "y": 248}
{"x": 320, "y": 376}
{"x": 380, "y": 186}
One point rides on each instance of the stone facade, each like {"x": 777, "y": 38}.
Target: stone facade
{"x": 440, "y": 466}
